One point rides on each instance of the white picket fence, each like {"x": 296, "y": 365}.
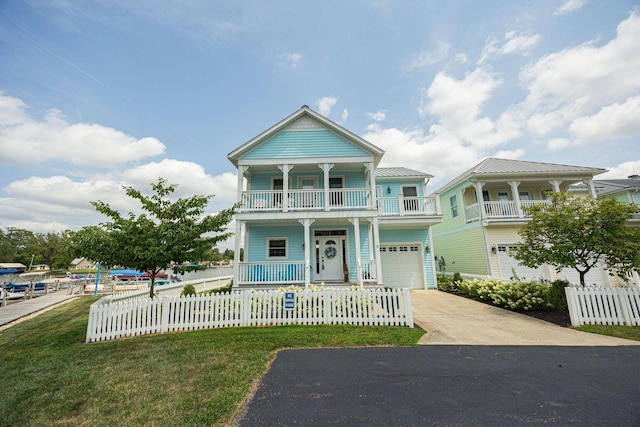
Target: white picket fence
{"x": 143, "y": 316}
{"x": 603, "y": 306}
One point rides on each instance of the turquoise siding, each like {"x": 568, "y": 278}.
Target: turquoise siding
{"x": 261, "y": 182}
{"x": 311, "y": 143}
{"x": 396, "y": 187}
{"x": 413, "y": 235}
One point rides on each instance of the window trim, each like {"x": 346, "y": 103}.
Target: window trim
{"x": 455, "y": 212}
{"x": 286, "y": 248}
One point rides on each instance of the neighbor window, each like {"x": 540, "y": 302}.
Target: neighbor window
{"x": 277, "y": 248}
{"x": 454, "y": 206}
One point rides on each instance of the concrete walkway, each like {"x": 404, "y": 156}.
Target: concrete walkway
{"x": 10, "y": 314}
{"x": 454, "y": 320}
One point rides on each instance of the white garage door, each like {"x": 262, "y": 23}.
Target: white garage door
{"x": 509, "y": 265}
{"x": 596, "y": 276}
{"x": 402, "y": 266}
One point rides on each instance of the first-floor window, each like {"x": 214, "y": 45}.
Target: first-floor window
{"x": 277, "y": 248}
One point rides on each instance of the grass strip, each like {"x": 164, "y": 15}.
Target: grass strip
{"x": 49, "y": 376}
{"x": 627, "y": 332}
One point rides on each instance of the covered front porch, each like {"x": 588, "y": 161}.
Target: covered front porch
{"x": 340, "y": 251}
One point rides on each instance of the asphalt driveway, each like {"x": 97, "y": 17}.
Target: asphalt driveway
{"x": 450, "y": 386}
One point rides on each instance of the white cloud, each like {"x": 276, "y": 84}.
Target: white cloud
{"x": 325, "y": 104}
{"x": 622, "y": 171}
{"x": 426, "y": 58}
{"x": 26, "y": 140}
{"x": 291, "y": 60}
{"x": 513, "y": 44}
{"x": 345, "y": 115}
{"x": 557, "y": 144}
{"x": 570, "y": 6}
{"x": 517, "y": 153}
{"x": 589, "y": 75}
{"x": 378, "y": 116}
{"x": 619, "y": 120}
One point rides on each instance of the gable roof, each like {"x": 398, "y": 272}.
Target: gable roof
{"x": 304, "y": 111}
{"x": 494, "y": 167}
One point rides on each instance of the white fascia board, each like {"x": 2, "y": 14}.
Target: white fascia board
{"x": 304, "y": 161}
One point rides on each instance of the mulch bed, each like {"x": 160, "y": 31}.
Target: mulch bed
{"x": 557, "y": 317}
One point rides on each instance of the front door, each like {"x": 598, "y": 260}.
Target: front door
{"x": 328, "y": 259}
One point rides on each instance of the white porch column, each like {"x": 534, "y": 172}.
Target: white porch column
{"x": 556, "y": 184}
{"x": 372, "y": 185}
{"x": 236, "y": 254}
{"x": 480, "y": 198}
{"x": 285, "y": 168}
{"x": 307, "y": 251}
{"x": 376, "y": 249}
{"x": 516, "y": 196}
{"x": 326, "y": 167}
{"x": 240, "y": 189}
{"x": 592, "y": 189}
{"x": 356, "y": 236}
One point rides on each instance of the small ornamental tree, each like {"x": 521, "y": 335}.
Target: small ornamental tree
{"x": 579, "y": 233}
{"x": 167, "y": 232}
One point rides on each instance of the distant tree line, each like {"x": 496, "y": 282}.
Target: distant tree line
{"x": 55, "y": 249}
{"x": 29, "y": 248}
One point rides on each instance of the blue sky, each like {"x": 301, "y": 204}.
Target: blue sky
{"x": 99, "y": 94}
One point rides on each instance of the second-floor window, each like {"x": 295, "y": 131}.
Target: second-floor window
{"x": 453, "y": 200}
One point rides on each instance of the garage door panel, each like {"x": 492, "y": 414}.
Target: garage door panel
{"x": 509, "y": 265}
{"x": 402, "y": 266}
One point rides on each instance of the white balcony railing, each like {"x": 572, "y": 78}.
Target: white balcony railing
{"x": 401, "y": 206}
{"x": 273, "y": 200}
{"x": 500, "y": 210}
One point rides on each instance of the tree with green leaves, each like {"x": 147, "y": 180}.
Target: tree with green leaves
{"x": 167, "y": 232}
{"x": 580, "y": 233}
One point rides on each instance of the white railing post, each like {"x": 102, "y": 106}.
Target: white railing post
{"x": 406, "y": 293}
{"x": 165, "y": 307}
{"x": 572, "y": 305}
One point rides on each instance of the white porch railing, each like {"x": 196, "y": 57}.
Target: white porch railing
{"x": 273, "y": 273}
{"x": 273, "y": 200}
{"x": 132, "y": 317}
{"x": 502, "y": 209}
{"x": 401, "y": 206}
{"x": 369, "y": 270}
{"x": 603, "y": 306}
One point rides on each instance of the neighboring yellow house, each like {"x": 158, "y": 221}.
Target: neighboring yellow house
{"x": 82, "y": 264}
{"x": 482, "y": 213}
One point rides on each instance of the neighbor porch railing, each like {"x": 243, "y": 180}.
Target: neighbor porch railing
{"x": 143, "y": 316}
{"x": 501, "y": 209}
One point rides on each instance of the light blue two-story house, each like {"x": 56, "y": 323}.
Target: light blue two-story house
{"x": 315, "y": 208}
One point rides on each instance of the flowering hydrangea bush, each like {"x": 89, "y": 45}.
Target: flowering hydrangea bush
{"x": 512, "y": 295}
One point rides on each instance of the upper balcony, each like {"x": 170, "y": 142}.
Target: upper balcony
{"x": 338, "y": 199}
{"x": 501, "y": 210}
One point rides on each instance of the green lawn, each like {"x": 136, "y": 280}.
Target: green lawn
{"x": 628, "y": 332}
{"x": 48, "y": 376}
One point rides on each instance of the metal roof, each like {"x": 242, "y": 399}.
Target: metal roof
{"x": 400, "y": 173}
{"x": 610, "y": 186}
{"x": 492, "y": 166}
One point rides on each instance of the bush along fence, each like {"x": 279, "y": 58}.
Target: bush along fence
{"x": 603, "y": 306}
{"x": 144, "y": 316}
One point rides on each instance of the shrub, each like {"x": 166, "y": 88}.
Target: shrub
{"x": 446, "y": 283}
{"x": 511, "y": 295}
{"x": 557, "y": 297}
{"x": 188, "y": 290}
